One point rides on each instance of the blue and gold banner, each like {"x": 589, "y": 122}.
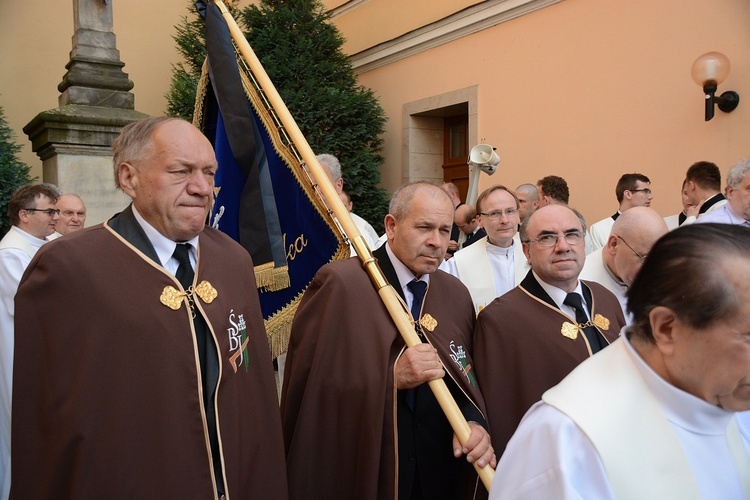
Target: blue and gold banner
{"x": 264, "y": 199}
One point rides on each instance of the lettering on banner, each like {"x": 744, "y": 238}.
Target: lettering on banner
{"x": 294, "y": 249}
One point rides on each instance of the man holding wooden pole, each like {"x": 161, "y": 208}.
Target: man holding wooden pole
{"x": 359, "y": 419}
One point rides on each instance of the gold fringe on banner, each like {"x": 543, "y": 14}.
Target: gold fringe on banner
{"x": 272, "y": 278}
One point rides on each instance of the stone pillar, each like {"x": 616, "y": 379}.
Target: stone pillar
{"x": 74, "y": 139}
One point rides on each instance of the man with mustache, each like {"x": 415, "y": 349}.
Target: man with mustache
{"x": 164, "y": 388}
{"x": 529, "y": 339}
{"x": 359, "y": 419}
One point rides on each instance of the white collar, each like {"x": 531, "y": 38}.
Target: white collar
{"x": 163, "y": 246}
{"x": 681, "y": 408}
{"x": 404, "y": 274}
{"x": 558, "y": 294}
{"x": 30, "y": 238}
{"x": 497, "y": 250}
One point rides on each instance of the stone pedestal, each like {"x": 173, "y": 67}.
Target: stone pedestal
{"x": 74, "y": 139}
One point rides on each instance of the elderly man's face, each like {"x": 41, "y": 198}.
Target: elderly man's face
{"x": 739, "y": 198}
{"x": 560, "y": 264}
{"x": 421, "y": 238}
{"x": 714, "y": 363}
{"x": 72, "y": 214}
{"x": 172, "y": 189}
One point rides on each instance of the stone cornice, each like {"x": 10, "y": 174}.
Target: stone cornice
{"x": 471, "y": 20}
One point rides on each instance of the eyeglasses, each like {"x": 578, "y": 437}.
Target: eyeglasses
{"x": 49, "y": 211}
{"x": 645, "y": 190}
{"x": 640, "y": 256}
{"x": 496, "y": 214}
{"x": 550, "y": 240}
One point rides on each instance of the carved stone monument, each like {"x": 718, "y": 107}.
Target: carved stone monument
{"x": 74, "y": 139}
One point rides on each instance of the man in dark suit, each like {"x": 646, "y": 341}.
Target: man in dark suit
{"x": 359, "y": 419}
{"x": 529, "y": 339}
{"x": 465, "y": 219}
{"x": 164, "y": 387}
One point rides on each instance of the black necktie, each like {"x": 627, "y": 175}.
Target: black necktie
{"x": 185, "y": 273}
{"x": 596, "y": 341}
{"x": 418, "y": 289}
{"x": 208, "y": 363}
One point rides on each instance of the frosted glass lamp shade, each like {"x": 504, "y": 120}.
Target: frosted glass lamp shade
{"x": 711, "y": 68}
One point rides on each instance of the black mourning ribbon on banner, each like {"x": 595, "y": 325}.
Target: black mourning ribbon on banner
{"x": 260, "y": 236}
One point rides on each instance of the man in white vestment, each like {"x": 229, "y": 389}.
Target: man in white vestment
{"x": 615, "y": 266}
{"x": 737, "y": 210}
{"x": 33, "y": 212}
{"x": 632, "y": 190}
{"x": 655, "y": 415}
{"x": 494, "y": 264}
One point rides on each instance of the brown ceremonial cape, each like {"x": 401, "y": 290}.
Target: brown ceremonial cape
{"x": 339, "y": 399}
{"x": 107, "y": 397}
{"x": 519, "y": 351}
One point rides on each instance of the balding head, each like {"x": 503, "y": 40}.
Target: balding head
{"x": 419, "y": 226}
{"x": 72, "y": 214}
{"x": 465, "y": 218}
{"x": 528, "y": 200}
{"x": 553, "y": 242}
{"x": 633, "y": 234}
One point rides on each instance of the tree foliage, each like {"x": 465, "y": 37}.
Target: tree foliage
{"x": 191, "y": 44}
{"x": 301, "y": 50}
{"x": 13, "y": 172}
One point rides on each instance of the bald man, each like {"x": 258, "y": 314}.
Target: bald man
{"x": 528, "y": 200}
{"x": 616, "y": 264}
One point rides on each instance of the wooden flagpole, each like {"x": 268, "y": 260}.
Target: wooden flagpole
{"x": 400, "y": 315}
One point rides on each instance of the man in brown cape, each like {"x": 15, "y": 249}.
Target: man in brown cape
{"x": 359, "y": 420}
{"x": 162, "y": 387}
{"x": 529, "y": 339}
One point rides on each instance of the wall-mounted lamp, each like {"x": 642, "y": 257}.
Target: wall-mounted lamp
{"x": 708, "y": 71}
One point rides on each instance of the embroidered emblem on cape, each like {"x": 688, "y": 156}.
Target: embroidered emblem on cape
{"x": 238, "y": 341}
{"x": 206, "y": 292}
{"x": 569, "y": 330}
{"x": 601, "y": 322}
{"x": 172, "y": 297}
{"x": 458, "y": 355}
{"x": 428, "y": 322}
